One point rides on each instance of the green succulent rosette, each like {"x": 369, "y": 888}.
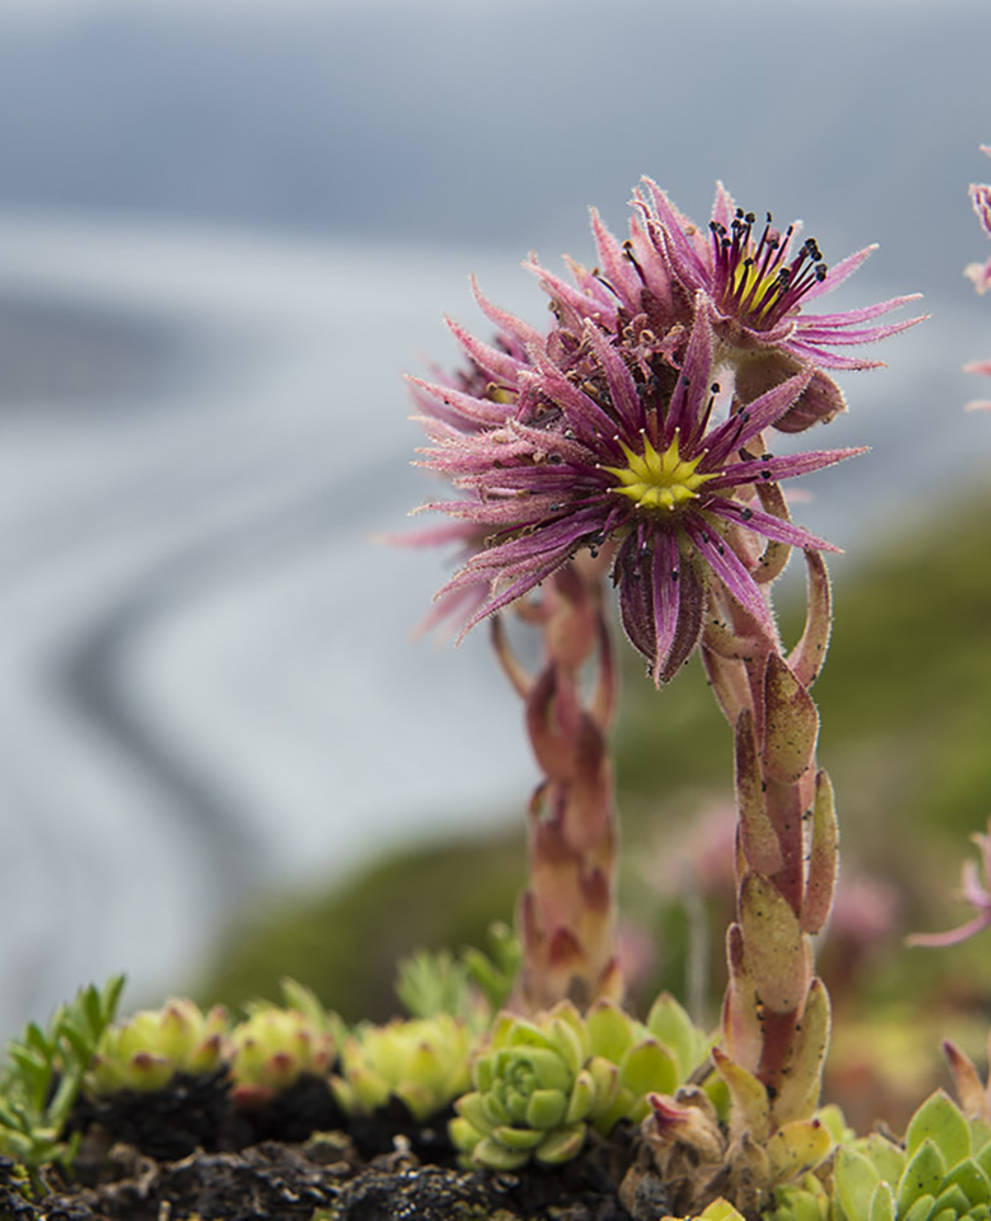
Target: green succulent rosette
{"x": 147, "y": 1051}
{"x": 273, "y": 1047}
{"x": 424, "y": 1062}
{"x": 942, "y": 1173}
{"x": 541, "y": 1085}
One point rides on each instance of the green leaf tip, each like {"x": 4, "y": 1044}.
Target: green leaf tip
{"x": 940, "y": 1120}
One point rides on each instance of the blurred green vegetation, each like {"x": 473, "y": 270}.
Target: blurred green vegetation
{"x": 905, "y": 700}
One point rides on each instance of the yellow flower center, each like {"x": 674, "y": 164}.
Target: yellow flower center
{"x": 758, "y": 293}
{"x": 658, "y": 481}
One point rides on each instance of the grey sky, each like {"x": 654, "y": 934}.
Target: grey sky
{"x": 496, "y": 124}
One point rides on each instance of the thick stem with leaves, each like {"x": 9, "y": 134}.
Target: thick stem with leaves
{"x": 567, "y": 913}
{"x": 776, "y": 1012}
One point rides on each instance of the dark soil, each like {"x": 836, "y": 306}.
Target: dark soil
{"x": 187, "y": 1153}
{"x": 324, "y": 1179}
{"x": 198, "y": 1112}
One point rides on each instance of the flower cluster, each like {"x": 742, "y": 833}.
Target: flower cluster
{"x": 980, "y": 273}
{"x": 638, "y": 421}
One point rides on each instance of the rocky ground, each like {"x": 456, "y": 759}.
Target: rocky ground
{"x": 323, "y": 1179}
{"x": 182, "y": 1155}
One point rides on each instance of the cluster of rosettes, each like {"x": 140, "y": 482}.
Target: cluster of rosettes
{"x": 147, "y": 1052}
{"x": 638, "y": 420}
{"x": 541, "y": 1086}
{"x": 255, "y": 1063}
{"x": 942, "y": 1172}
{"x": 273, "y": 1048}
{"x": 422, "y": 1062}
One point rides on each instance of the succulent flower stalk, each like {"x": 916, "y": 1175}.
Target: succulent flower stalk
{"x": 638, "y": 425}
{"x": 567, "y": 913}
{"x": 776, "y": 1013}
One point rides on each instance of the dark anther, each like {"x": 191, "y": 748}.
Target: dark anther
{"x": 714, "y": 387}
{"x": 739, "y": 214}
{"x": 674, "y": 574}
{"x": 750, "y": 218}
{"x": 770, "y": 218}
{"x": 765, "y": 457}
{"x": 821, "y": 272}
{"x": 746, "y": 514}
{"x": 765, "y": 474}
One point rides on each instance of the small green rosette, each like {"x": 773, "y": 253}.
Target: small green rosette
{"x": 542, "y": 1084}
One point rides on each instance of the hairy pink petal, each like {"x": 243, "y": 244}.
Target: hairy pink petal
{"x": 692, "y": 389}
{"x": 461, "y": 405}
{"x": 731, "y": 571}
{"x": 743, "y": 425}
{"x": 665, "y": 574}
{"x": 769, "y": 526}
{"x": 864, "y": 314}
{"x": 785, "y": 467}
{"x": 583, "y": 305}
{"x": 616, "y": 267}
{"x": 496, "y": 364}
{"x": 522, "y": 331}
{"x": 840, "y": 272}
{"x": 622, "y": 388}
